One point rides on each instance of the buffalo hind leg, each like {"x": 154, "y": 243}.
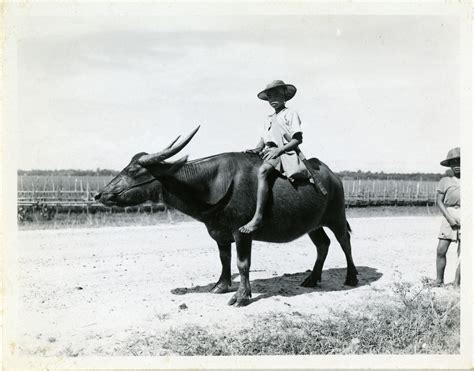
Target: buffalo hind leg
{"x": 244, "y": 247}
{"x": 223, "y": 285}
{"x": 322, "y": 242}
{"x": 341, "y": 231}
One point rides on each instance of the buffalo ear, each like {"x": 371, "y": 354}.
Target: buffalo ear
{"x": 177, "y": 164}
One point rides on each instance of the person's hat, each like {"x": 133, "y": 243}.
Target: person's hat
{"x": 290, "y": 90}
{"x": 452, "y": 154}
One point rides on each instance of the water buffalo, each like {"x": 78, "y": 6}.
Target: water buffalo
{"x": 220, "y": 191}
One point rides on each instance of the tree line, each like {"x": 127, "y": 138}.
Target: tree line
{"x": 359, "y": 174}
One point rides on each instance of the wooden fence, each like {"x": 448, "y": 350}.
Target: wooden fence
{"x": 50, "y": 203}
{"x": 358, "y": 194}
{"x": 390, "y": 193}
{"x": 75, "y": 201}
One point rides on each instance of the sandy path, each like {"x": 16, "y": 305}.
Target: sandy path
{"x": 92, "y": 291}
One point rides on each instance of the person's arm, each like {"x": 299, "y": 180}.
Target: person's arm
{"x": 453, "y": 222}
{"x": 295, "y": 141}
{"x": 258, "y": 148}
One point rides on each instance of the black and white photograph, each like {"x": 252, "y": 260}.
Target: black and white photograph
{"x": 193, "y": 184}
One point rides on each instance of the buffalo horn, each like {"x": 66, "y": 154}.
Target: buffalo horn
{"x": 168, "y": 151}
{"x": 173, "y": 142}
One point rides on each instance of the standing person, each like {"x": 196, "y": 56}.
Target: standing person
{"x": 448, "y": 199}
{"x": 278, "y": 153}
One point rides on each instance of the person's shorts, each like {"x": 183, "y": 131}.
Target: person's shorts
{"x": 445, "y": 231}
{"x": 288, "y": 165}
{"x": 276, "y": 163}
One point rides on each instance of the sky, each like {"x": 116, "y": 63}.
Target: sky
{"x": 378, "y": 93}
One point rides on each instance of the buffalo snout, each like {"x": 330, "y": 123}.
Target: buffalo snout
{"x": 107, "y": 199}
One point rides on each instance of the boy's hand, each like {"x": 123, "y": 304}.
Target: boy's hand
{"x": 454, "y": 223}
{"x": 272, "y": 153}
{"x": 253, "y": 150}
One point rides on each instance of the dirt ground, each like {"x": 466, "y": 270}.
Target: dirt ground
{"x": 92, "y": 292}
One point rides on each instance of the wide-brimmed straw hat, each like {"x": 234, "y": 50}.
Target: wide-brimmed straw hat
{"x": 452, "y": 154}
{"x": 290, "y": 90}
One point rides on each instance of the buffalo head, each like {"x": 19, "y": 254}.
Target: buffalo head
{"x": 138, "y": 182}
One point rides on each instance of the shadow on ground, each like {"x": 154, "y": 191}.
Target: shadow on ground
{"x": 289, "y": 284}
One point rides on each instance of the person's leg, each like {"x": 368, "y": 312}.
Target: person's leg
{"x": 441, "y": 260}
{"x": 262, "y": 196}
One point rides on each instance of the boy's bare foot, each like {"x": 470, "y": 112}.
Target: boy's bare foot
{"x": 251, "y": 226}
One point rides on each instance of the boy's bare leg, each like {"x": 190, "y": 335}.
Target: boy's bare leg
{"x": 262, "y": 197}
{"x": 441, "y": 260}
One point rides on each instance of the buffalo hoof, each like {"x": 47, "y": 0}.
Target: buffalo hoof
{"x": 220, "y": 288}
{"x": 311, "y": 281}
{"x": 351, "y": 281}
{"x": 239, "y": 301}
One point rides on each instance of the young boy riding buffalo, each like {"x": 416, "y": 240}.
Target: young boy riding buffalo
{"x": 280, "y": 137}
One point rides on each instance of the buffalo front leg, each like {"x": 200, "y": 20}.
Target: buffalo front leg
{"x": 244, "y": 248}
{"x": 322, "y": 242}
{"x": 223, "y": 285}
